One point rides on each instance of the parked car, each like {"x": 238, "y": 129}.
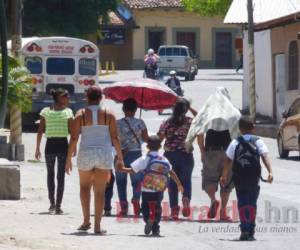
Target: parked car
{"x": 289, "y": 131}
{"x": 179, "y": 58}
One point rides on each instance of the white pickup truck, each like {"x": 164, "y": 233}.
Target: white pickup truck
{"x": 179, "y": 58}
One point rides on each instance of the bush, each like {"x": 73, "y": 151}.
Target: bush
{"x": 20, "y": 85}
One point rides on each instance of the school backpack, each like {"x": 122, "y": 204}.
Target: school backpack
{"x": 156, "y": 174}
{"x": 246, "y": 170}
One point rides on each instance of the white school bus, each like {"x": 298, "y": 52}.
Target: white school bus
{"x": 59, "y": 62}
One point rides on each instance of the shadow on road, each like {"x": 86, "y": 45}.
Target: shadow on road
{"x": 219, "y": 80}
{"x": 168, "y": 219}
{"x": 291, "y": 158}
{"x": 82, "y": 234}
{"x": 146, "y": 236}
{"x": 48, "y": 213}
{"x": 238, "y": 240}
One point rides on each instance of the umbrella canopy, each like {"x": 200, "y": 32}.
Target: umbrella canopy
{"x": 149, "y": 94}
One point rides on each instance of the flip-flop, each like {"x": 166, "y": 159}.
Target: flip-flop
{"x": 213, "y": 209}
{"x": 84, "y": 227}
{"x": 225, "y": 219}
{"x": 101, "y": 232}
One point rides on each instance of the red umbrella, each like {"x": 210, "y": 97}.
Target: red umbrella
{"x": 149, "y": 94}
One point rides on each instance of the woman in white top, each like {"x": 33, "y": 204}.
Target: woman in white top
{"x": 99, "y": 134}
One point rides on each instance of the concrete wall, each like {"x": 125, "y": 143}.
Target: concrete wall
{"x": 281, "y": 38}
{"x": 172, "y": 20}
{"x": 263, "y": 73}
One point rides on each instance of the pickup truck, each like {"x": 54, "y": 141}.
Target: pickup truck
{"x": 179, "y": 58}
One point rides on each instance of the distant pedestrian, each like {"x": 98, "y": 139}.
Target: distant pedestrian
{"x": 55, "y": 121}
{"x": 132, "y": 132}
{"x": 243, "y": 157}
{"x": 156, "y": 170}
{"x": 241, "y": 61}
{"x": 174, "y": 131}
{"x": 174, "y": 83}
{"x": 150, "y": 60}
{"x": 98, "y": 129}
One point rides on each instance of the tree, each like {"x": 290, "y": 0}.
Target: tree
{"x": 208, "y": 7}
{"x": 64, "y": 17}
{"x": 19, "y": 85}
{"x": 19, "y": 99}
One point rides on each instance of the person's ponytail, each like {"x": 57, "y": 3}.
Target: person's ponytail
{"x": 53, "y": 93}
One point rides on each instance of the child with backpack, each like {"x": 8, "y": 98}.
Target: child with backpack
{"x": 243, "y": 157}
{"x": 157, "y": 170}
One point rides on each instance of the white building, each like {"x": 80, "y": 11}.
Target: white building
{"x": 276, "y": 25}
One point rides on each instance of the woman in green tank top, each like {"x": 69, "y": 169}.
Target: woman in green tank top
{"x": 55, "y": 123}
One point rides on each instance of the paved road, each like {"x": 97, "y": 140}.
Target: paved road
{"x": 25, "y": 224}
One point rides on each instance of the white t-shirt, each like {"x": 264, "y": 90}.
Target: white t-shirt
{"x": 261, "y": 146}
{"x": 141, "y": 164}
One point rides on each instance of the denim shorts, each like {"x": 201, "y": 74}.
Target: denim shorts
{"x": 95, "y": 158}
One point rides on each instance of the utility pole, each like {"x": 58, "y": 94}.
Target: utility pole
{"x": 3, "y": 36}
{"x": 251, "y": 56}
{"x": 16, "y": 45}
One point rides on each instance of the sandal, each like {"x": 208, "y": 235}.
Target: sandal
{"x": 214, "y": 207}
{"x": 224, "y": 217}
{"x": 84, "y": 227}
{"x": 100, "y": 232}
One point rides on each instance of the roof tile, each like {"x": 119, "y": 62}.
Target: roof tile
{"x": 264, "y": 10}
{"x": 145, "y": 4}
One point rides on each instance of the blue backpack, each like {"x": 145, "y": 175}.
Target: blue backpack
{"x": 156, "y": 174}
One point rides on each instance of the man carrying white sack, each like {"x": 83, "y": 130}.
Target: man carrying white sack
{"x": 214, "y": 127}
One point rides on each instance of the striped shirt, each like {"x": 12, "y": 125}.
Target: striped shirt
{"x": 57, "y": 122}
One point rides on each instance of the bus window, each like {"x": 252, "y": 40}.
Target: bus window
{"x": 60, "y": 66}
{"x": 87, "y": 66}
{"x": 34, "y": 64}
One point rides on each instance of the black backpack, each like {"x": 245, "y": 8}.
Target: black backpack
{"x": 246, "y": 170}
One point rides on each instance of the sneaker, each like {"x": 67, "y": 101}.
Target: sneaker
{"x": 156, "y": 230}
{"x": 214, "y": 207}
{"x": 58, "y": 211}
{"x": 186, "y": 210}
{"x": 107, "y": 213}
{"x": 148, "y": 227}
{"x": 244, "y": 236}
{"x": 251, "y": 238}
{"x": 51, "y": 208}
